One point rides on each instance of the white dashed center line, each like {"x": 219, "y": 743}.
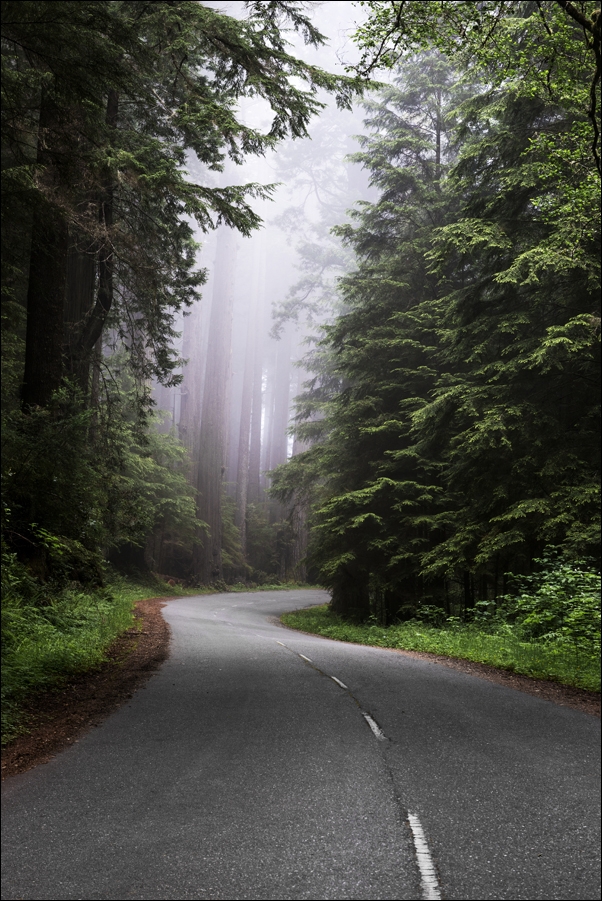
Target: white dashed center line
{"x": 428, "y": 874}
{"x": 378, "y": 733}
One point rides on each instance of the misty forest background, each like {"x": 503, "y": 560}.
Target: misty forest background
{"x": 300, "y": 292}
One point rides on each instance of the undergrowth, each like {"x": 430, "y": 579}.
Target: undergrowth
{"x": 49, "y": 634}
{"x": 275, "y": 586}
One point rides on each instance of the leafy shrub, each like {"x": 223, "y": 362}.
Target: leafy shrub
{"x": 502, "y": 647}
{"x": 428, "y": 613}
{"x": 42, "y": 644}
{"x": 561, "y": 602}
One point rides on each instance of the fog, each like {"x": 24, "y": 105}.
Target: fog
{"x": 247, "y": 343}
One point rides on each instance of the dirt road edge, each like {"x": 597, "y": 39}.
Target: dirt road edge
{"x": 57, "y": 718}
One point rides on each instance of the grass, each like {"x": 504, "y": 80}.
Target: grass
{"x": 277, "y": 586}
{"x": 47, "y": 639}
{"x": 565, "y": 663}
{"x": 222, "y": 587}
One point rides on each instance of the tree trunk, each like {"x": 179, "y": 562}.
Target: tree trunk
{"x": 45, "y": 305}
{"x": 190, "y": 402}
{"x": 47, "y": 271}
{"x": 254, "y": 485}
{"x": 104, "y": 299}
{"x": 438, "y": 130}
{"x": 79, "y": 299}
{"x": 280, "y": 418}
{"x": 351, "y": 595}
{"x": 212, "y": 444}
{"x": 300, "y": 541}
{"x": 269, "y": 378}
{"x": 255, "y": 449}
{"x": 246, "y": 410}
{"x": 277, "y": 451}
{"x": 468, "y": 591}
{"x": 95, "y": 391}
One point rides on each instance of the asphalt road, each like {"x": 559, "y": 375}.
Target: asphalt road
{"x": 244, "y": 771}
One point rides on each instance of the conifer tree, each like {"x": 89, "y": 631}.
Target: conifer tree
{"x": 465, "y": 434}
{"x": 365, "y": 533}
{"x": 512, "y": 420}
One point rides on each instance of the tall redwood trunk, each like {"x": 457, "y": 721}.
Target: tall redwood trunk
{"x": 269, "y": 378}
{"x": 246, "y": 412}
{"x": 213, "y": 435}
{"x": 47, "y": 272}
{"x": 45, "y": 304}
{"x": 278, "y": 438}
{"x": 281, "y": 414}
{"x": 96, "y": 318}
{"x": 261, "y": 330}
{"x": 299, "y": 511}
{"x": 60, "y": 316}
{"x": 79, "y": 300}
{"x": 190, "y": 401}
{"x": 254, "y": 482}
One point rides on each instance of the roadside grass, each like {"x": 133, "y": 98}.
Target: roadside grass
{"x": 563, "y": 662}
{"x": 47, "y": 638}
{"x": 276, "y": 586}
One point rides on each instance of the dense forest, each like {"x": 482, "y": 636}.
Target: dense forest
{"x": 271, "y": 316}
{"x": 122, "y": 127}
{"x": 456, "y": 434}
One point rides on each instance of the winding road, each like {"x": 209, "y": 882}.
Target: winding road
{"x": 262, "y": 763}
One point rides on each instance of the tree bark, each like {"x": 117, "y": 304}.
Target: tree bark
{"x": 280, "y": 418}
{"x": 268, "y": 382}
{"x": 255, "y": 449}
{"x": 104, "y": 299}
{"x": 351, "y": 595}
{"x": 45, "y": 305}
{"x": 246, "y": 411}
{"x": 79, "y": 299}
{"x": 190, "y": 402}
{"x": 212, "y": 443}
{"x": 47, "y": 271}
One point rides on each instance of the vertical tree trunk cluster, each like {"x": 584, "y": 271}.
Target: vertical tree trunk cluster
{"x": 213, "y": 434}
{"x": 233, "y": 410}
{"x": 251, "y": 374}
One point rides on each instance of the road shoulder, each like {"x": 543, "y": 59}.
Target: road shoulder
{"x": 57, "y": 718}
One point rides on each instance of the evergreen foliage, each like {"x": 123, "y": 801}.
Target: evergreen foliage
{"x": 102, "y": 103}
{"x": 465, "y": 436}
{"x": 548, "y": 49}
{"x": 79, "y": 483}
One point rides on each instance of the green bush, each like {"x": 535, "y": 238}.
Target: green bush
{"x": 560, "y": 603}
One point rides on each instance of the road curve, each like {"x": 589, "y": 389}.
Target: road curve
{"x": 261, "y": 763}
